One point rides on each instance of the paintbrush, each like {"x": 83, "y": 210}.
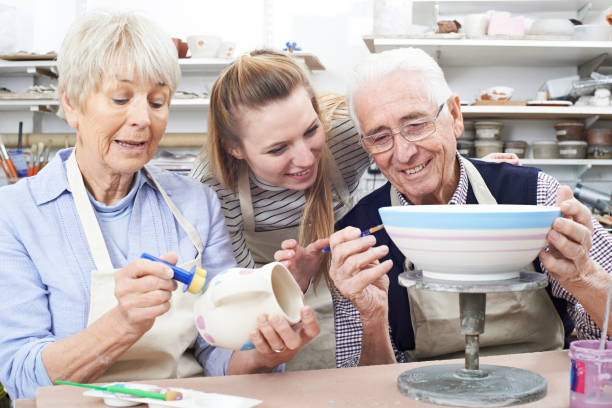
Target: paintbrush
{"x": 604, "y": 330}
{"x": 194, "y": 279}
{"x": 33, "y": 152}
{"x": 7, "y": 159}
{"x": 8, "y": 176}
{"x": 166, "y": 396}
{"x": 45, "y": 158}
{"x": 363, "y": 234}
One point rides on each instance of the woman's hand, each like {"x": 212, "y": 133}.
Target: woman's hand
{"x": 277, "y": 342}
{"x": 143, "y": 290}
{"x": 502, "y": 158}
{"x": 302, "y": 262}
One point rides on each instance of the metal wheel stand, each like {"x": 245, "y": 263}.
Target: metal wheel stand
{"x": 472, "y": 385}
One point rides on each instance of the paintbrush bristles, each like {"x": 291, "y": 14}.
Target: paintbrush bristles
{"x": 173, "y": 396}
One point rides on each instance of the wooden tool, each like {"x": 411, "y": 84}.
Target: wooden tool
{"x": 166, "y": 396}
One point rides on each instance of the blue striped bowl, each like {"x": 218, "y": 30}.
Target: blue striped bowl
{"x": 469, "y": 242}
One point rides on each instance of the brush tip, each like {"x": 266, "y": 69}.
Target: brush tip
{"x": 174, "y": 396}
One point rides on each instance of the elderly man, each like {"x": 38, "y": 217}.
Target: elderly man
{"x": 409, "y": 120}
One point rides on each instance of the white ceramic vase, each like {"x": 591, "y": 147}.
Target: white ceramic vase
{"x": 227, "y": 311}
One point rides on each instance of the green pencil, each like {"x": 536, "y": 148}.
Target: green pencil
{"x": 167, "y": 396}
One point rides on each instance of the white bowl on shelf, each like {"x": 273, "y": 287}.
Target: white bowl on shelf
{"x": 469, "y": 242}
{"x": 593, "y": 32}
{"x": 552, "y": 26}
{"x": 203, "y": 46}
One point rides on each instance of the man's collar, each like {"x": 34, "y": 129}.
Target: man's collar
{"x": 460, "y": 195}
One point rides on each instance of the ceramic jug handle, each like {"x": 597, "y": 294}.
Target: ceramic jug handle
{"x": 225, "y": 292}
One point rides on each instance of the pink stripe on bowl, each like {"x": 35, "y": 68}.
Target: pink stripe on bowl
{"x": 477, "y": 251}
{"x": 525, "y": 237}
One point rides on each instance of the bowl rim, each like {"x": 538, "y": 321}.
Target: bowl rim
{"x": 473, "y": 208}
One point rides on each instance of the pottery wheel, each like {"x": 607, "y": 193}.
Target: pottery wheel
{"x": 525, "y": 281}
{"x": 472, "y": 385}
{"x": 449, "y": 384}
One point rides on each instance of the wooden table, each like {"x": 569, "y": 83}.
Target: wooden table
{"x": 373, "y": 386}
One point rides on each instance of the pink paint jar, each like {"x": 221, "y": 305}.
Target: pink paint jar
{"x": 590, "y": 375}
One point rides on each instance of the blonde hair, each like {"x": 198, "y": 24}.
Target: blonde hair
{"x": 104, "y": 42}
{"x": 253, "y": 81}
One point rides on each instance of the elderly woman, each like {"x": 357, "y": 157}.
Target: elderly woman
{"x": 78, "y": 303}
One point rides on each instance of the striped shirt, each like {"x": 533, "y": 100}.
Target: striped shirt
{"x": 276, "y": 207}
{"x": 348, "y": 325}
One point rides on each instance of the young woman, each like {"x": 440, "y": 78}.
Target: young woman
{"x": 284, "y": 163}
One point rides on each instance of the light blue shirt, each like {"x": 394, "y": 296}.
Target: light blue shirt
{"x": 45, "y": 262}
{"x": 114, "y": 221}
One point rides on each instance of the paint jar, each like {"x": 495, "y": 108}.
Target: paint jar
{"x": 590, "y": 375}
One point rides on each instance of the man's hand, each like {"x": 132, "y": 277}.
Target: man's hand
{"x": 357, "y": 273}
{"x": 569, "y": 239}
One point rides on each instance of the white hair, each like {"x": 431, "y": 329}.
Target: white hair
{"x": 109, "y": 42}
{"x": 377, "y": 66}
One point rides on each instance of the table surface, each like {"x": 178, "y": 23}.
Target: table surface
{"x": 372, "y": 386}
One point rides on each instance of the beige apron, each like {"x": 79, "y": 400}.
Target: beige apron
{"x": 516, "y": 322}
{"x": 162, "y": 351}
{"x": 321, "y": 351}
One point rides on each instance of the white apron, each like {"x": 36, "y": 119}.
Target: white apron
{"x": 321, "y": 351}
{"x": 516, "y": 322}
{"x": 162, "y": 351}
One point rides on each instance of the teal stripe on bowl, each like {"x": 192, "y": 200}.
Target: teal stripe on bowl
{"x": 472, "y": 220}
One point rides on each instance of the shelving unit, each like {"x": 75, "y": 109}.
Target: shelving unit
{"x": 514, "y": 6}
{"x": 201, "y": 66}
{"x": 482, "y": 62}
{"x": 495, "y": 52}
{"x": 50, "y": 105}
{"x": 535, "y": 112}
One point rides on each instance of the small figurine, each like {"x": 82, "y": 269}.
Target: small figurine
{"x": 291, "y": 46}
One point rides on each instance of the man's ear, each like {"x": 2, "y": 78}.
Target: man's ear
{"x": 70, "y": 112}
{"x": 454, "y": 107}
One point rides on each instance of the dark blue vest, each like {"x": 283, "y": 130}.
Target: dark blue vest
{"x": 509, "y": 185}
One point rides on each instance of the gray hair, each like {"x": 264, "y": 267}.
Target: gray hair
{"x": 105, "y": 42}
{"x": 378, "y": 66}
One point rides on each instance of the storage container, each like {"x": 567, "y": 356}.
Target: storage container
{"x": 599, "y": 152}
{"x": 465, "y": 147}
{"x": 518, "y": 147}
{"x": 468, "y": 130}
{"x": 488, "y": 130}
{"x": 545, "y": 149}
{"x": 484, "y": 147}
{"x": 569, "y": 131}
{"x": 573, "y": 149}
{"x": 599, "y": 136}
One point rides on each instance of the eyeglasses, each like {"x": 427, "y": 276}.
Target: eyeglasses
{"x": 412, "y": 131}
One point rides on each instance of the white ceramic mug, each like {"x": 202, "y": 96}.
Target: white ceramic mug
{"x": 227, "y": 311}
{"x": 475, "y": 25}
{"x": 203, "y": 46}
{"x": 226, "y": 50}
